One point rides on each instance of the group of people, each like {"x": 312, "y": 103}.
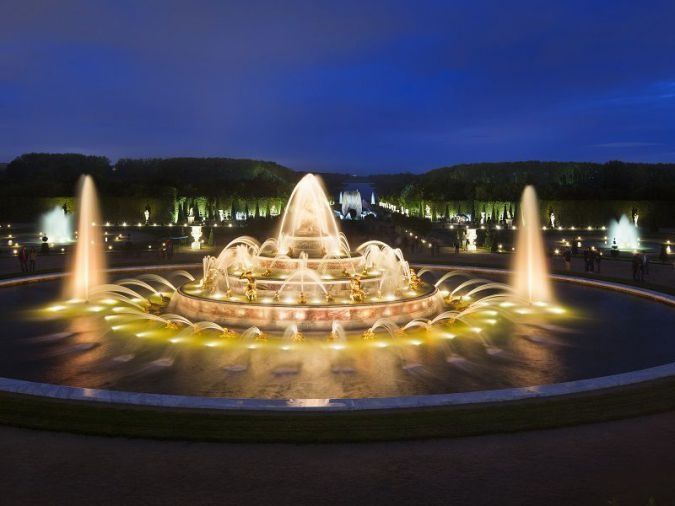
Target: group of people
{"x": 592, "y": 259}
{"x": 27, "y": 258}
{"x": 640, "y": 265}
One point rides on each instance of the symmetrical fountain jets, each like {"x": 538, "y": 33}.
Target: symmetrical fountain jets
{"x": 57, "y": 226}
{"x": 88, "y": 262}
{"x": 307, "y": 266}
{"x": 623, "y": 234}
{"x": 530, "y": 268}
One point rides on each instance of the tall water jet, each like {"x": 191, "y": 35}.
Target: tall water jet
{"x": 88, "y": 263}
{"x": 530, "y": 265}
{"x": 308, "y": 223}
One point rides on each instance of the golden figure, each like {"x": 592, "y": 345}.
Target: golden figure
{"x": 261, "y": 337}
{"x": 328, "y": 297}
{"x": 267, "y": 273}
{"x": 250, "y": 292}
{"x": 302, "y": 299}
{"x": 368, "y": 335}
{"x": 276, "y": 297}
{"x": 171, "y": 325}
{"x": 210, "y": 281}
{"x": 414, "y": 281}
{"x": 298, "y": 337}
{"x": 228, "y": 334}
{"x": 357, "y": 293}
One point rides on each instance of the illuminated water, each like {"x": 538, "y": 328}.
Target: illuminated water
{"x": 530, "y": 265}
{"x": 88, "y": 264}
{"x": 585, "y": 342}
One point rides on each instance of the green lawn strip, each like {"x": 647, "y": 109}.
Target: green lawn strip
{"x": 315, "y": 427}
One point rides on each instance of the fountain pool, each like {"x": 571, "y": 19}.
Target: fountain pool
{"x": 302, "y": 315}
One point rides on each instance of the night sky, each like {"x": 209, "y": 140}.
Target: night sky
{"x": 348, "y": 86}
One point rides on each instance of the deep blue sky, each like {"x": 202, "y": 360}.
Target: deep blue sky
{"x": 353, "y": 86}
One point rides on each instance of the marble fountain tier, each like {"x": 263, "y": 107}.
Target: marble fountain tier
{"x": 308, "y": 275}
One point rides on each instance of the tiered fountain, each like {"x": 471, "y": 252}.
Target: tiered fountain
{"x": 307, "y": 275}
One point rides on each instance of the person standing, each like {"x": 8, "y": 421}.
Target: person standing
{"x": 32, "y": 257}
{"x": 636, "y": 267}
{"x": 23, "y": 259}
{"x": 567, "y": 257}
{"x": 598, "y": 258}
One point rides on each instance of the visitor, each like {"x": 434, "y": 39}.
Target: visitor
{"x": 587, "y": 259}
{"x": 591, "y": 260}
{"x": 636, "y": 267}
{"x": 32, "y": 257}
{"x": 567, "y": 257}
{"x": 456, "y": 247}
{"x": 23, "y": 259}
{"x": 645, "y": 266}
{"x": 598, "y": 258}
{"x": 663, "y": 254}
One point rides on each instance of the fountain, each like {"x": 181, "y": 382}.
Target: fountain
{"x": 307, "y": 276}
{"x": 88, "y": 262}
{"x": 623, "y": 234}
{"x": 57, "y": 226}
{"x": 303, "y": 315}
{"x": 530, "y": 267}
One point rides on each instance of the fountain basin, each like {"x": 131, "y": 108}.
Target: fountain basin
{"x": 586, "y": 343}
{"x": 311, "y": 317}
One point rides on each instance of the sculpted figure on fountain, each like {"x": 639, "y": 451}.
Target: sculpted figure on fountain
{"x": 250, "y": 291}
{"x": 357, "y": 294}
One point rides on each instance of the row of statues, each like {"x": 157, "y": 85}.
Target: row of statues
{"x": 357, "y": 294}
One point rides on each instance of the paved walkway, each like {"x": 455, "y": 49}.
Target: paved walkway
{"x": 626, "y": 461}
